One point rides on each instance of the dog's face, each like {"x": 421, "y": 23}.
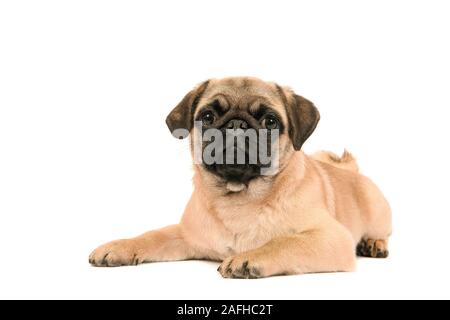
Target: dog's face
{"x": 266, "y": 116}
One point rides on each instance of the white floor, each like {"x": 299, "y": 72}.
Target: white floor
{"x": 70, "y": 276}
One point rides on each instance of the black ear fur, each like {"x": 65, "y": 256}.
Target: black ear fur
{"x": 303, "y": 117}
{"x": 181, "y": 117}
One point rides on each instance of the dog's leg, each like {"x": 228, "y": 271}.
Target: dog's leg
{"x": 166, "y": 244}
{"x": 327, "y": 249}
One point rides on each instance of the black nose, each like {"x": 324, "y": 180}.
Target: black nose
{"x": 236, "y": 124}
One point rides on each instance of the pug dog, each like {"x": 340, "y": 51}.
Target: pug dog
{"x": 307, "y": 214}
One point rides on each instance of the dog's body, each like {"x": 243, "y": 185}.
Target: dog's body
{"x": 308, "y": 217}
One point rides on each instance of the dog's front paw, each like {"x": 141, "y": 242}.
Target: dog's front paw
{"x": 115, "y": 254}
{"x": 242, "y": 266}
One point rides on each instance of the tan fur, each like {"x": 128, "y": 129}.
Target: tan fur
{"x": 307, "y": 218}
{"x": 346, "y": 161}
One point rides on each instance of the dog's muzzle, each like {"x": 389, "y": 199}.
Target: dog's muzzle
{"x": 238, "y": 165}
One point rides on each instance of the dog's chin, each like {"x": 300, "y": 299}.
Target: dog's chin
{"x": 235, "y": 187}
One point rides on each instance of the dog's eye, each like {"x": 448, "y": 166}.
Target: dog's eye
{"x": 270, "y": 122}
{"x": 208, "y": 118}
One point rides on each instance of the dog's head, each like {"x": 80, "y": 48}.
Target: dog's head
{"x": 241, "y": 126}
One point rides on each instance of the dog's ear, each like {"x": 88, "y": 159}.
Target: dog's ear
{"x": 181, "y": 117}
{"x": 303, "y": 117}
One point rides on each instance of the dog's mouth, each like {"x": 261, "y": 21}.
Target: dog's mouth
{"x": 236, "y": 166}
{"x": 235, "y": 173}
{"x": 235, "y": 177}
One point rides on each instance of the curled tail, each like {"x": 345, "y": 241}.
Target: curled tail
{"x": 346, "y": 161}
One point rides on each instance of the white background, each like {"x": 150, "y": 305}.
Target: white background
{"x": 85, "y": 155}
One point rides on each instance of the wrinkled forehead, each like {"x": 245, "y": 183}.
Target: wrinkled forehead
{"x": 244, "y": 94}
